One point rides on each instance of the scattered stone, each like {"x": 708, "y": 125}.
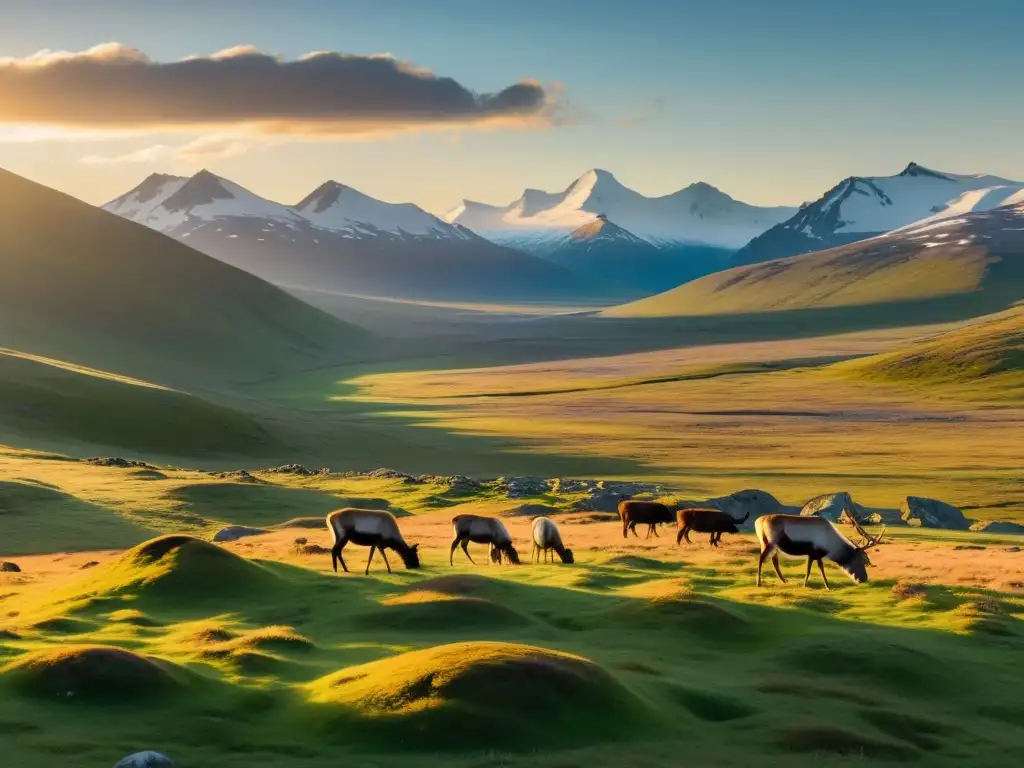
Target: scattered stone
{"x": 969, "y": 546}
{"x": 1014, "y": 549}
{"x": 90, "y": 564}
{"x": 311, "y": 549}
{"x": 905, "y": 590}
{"x": 117, "y": 461}
{"x": 457, "y": 484}
{"x": 240, "y": 476}
{"x": 146, "y": 760}
{"x": 236, "y": 532}
{"x": 8, "y": 567}
{"x": 931, "y": 513}
{"x": 565, "y": 485}
{"x": 383, "y": 473}
{"x": 301, "y": 540}
{"x": 291, "y": 469}
{"x": 998, "y": 526}
{"x": 521, "y": 487}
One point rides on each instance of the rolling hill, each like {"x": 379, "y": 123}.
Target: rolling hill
{"x": 339, "y": 239}
{"x": 862, "y": 207}
{"x": 951, "y": 269}
{"x": 82, "y": 285}
{"x": 986, "y": 355}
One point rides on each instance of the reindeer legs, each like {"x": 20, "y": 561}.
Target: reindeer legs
{"x": 821, "y": 567}
{"x": 465, "y": 548}
{"x": 385, "y": 556}
{"x": 807, "y": 576}
{"x": 778, "y": 571}
{"x": 370, "y": 560}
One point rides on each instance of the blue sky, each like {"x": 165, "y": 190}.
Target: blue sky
{"x": 773, "y": 102}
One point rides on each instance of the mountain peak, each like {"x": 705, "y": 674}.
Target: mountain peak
{"x": 913, "y": 169}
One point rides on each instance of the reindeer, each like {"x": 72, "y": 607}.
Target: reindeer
{"x": 814, "y": 538}
{"x": 373, "y": 528}
{"x": 704, "y": 520}
{"x": 482, "y": 530}
{"x": 546, "y": 538}
{"x": 648, "y": 513}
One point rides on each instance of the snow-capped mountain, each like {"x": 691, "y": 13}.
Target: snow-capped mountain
{"x": 338, "y": 239}
{"x": 605, "y": 250}
{"x": 697, "y": 215}
{"x": 862, "y": 207}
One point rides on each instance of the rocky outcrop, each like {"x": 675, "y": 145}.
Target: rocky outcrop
{"x": 457, "y": 484}
{"x": 998, "y": 526}
{"x": 236, "y": 532}
{"x": 738, "y": 504}
{"x": 383, "y": 473}
{"x": 240, "y": 476}
{"x": 8, "y": 567}
{"x": 117, "y": 461}
{"x": 932, "y": 513}
{"x": 522, "y": 487}
{"x": 292, "y": 469}
{"x": 835, "y": 507}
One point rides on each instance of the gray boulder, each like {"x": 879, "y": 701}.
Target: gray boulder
{"x": 998, "y": 526}
{"x": 932, "y": 513}
{"x": 236, "y": 532}
{"x": 521, "y": 487}
{"x": 146, "y": 760}
{"x": 752, "y": 501}
{"x": 835, "y": 507}
{"x": 8, "y": 567}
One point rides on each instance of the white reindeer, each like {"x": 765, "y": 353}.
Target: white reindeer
{"x": 816, "y": 539}
{"x": 373, "y": 528}
{"x": 546, "y": 538}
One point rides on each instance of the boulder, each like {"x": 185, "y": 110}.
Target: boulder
{"x": 998, "y": 526}
{"x": 835, "y": 507}
{"x": 738, "y": 504}
{"x": 8, "y": 567}
{"x": 457, "y": 484}
{"x": 383, "y": 473}
{"x": 146, "y": 760}
{"x": 117, "y": 461}
{"x": 567, "y": 485}
{"x": 600, "y": 501}
{"x": 932, "y": 513}
{"x": 236, "y": 532}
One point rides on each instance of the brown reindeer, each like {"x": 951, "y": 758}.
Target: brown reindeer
{"x": 705, "y": 520}
{"x": 373, "y": 528}
{"x": 482, "y": 530}
{"x": 648, "y": 513}
{"x": 816, "y": 539}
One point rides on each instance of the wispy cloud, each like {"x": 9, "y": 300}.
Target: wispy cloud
{"x": 115, "y": 88}
{"x": 653, "y": 111}
{"x": 201, "y": 149}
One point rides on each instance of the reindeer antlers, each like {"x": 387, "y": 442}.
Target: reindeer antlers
{"x": 869, "y": 541}
{"x": 875, "y": 541}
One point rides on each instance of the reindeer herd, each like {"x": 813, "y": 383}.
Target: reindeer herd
{"x": 795, "y": 536}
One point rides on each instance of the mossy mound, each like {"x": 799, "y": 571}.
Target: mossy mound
{"x": 188, "y": 568}
{"x": 132, "y": 617}
{"x": 480, "y": 694}
{"x": 425, "y": 611}
{"x": 829, "y": 740}
{"x": 696, "y": 617}
{"x": 639, "y": 563}
{"x": 712, "y": 707}
{"x": 460, "y": 584}
{"x": 92, "y": 672}
{"x": 147, "y": 474}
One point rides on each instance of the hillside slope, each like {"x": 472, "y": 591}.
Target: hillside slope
{"x": 83, "y": 285}
{"x": 952, "y": 269}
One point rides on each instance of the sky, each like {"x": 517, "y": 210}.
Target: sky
{"x": 773, "y": 103}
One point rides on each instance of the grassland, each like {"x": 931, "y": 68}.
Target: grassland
{"x": 256, "y": 654}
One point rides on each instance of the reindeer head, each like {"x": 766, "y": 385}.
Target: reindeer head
{"x": 511, "y": 554}
{"x": 411, "y": 556}
{"x": 858, "y": 564}
{"x": 567, "y": 556}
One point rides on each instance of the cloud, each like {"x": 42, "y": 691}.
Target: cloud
{"x": 651, "y": 112}
{"x": 115, "y": 88}
{"x": 203, "y": 148}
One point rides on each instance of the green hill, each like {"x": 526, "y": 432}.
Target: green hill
{"x": 965, "y": 268}
{"x": 83, "y": 285}
{"x": 984, "y": 357}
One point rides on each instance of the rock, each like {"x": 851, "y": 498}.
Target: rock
{"x": 311, "y": 549}
{"x": 1014, "y": 549}
{"x": 998, "y": 526}
{"x": 90, "y": 564}
{"x": 738, "y": 504}
{"x": 240, "y": 476}
{"x": 931, "y": 513}
{"x": 835, "y": 507}
{"x": 146, "y": 760}
{"x": 520, "y": 487}
{"x": 236, "y": 532}
{"x": 291, "y": 469}
{"x": 8, "y": 567}
{"x": 566, "y": 485}
{"x": 600, "y": 501}
{"x": 117, "y": 461}
{"x": 457, "y": 484}
{"x": 970, "y": 546}
{"x": 383, "y": 473}
{"x": 301, "y": 540}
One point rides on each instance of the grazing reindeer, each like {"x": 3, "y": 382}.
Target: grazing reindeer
{"x": 546, "y": 538}
{"x": 482, "y": 530}
{"x": 373, "y": 528}
{"x": 648, "y": 513}
{"x": 703, "y": 520}
{"x": 814, "y": 538}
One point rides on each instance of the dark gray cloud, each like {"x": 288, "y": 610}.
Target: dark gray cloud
{"x": 115, "y": 87}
